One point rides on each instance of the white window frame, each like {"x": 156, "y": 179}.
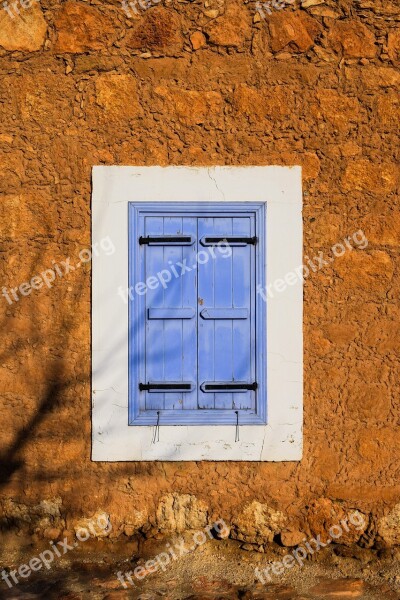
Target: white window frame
{"x": 281, "y": 438}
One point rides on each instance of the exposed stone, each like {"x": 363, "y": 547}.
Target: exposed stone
{"x": 81, "y": 28}
{"x": 97, "y": 526}
{"x": 233, "y": 28}
{"x": 341, "y": 333}
{"x": 260, "y": 103}
{"x": 327, "y": 109}
{"x": 384, "y": 335}
{"x": 373, "y": 77}
{"x": 134, "y": 521}
{"x": 370, "y": 401}
{"x": 382, "y": 229}
{"x": 373, "y": 177}
{"x": 352, "y": 39}
{"x": 51, "y": 533}
{"x": 331, "y": 521}
{"x": 292, "y": 537}
{"x": 45, "y": 516}
{"x": 350, "y": 148}
{"x": 375, "y": 441}
{"x": 25, "y": 30}
{"x": 389, "y": 527}
{"x": 339, "y": 588}
{"x": 271, "y": 592}
{"x": 388, "y": 110}
{"x": 324, "y": 11}
{"x": 198, "y": 40}
{"x": 308, "y": 3}
{"x": 159, "y": 30}
{"x": 117, "y": 96}
{"x": 257, "y": 523}
{"x": 191, "y": 107}
{"x": 295, "y": 30}
{"x": 365, "y": 271}
{"x": 394, "y": 45}
{"x": 177, "y": 513}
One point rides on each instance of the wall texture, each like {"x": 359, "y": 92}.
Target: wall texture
{"x": 202, "y": 83}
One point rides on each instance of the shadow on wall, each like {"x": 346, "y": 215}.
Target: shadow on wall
{"x": 36, "y": 357}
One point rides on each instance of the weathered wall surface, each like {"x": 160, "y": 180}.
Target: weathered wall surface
{"x": 198, "y": 83}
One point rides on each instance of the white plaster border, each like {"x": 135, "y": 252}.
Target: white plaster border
{"x": 112, "y": 438}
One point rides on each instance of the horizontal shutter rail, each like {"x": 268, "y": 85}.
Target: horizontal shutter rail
{"x": 224, "y": 313}
{"x": 227, "y": 239}
{"x": 228, "y": 386}
{"x": 167, "y": 387}
{"x": 165, "y": 240}
{"x": 171, "y": 313}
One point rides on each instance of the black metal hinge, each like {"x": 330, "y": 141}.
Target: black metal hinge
{"x": 165, "y": 387}
{"x": 228, "y": 387}
{"x": 167, "y": 239}
{"x": 211, "y": 241}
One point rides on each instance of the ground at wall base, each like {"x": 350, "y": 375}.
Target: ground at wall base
{"x": 220, "y": 569}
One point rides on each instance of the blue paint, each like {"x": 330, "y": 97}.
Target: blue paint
{"x": 205, "y": 327}
{"x": 171, "y": 313}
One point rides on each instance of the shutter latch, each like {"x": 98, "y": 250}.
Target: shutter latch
{"x": 166, "y": 387}
{"x": 229, "y": 240}
{"x": 229, "y": 386}
{"x": 164, "y": 240}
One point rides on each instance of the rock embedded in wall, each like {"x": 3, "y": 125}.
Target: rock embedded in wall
{"x": 258, "y": 523}
{"x": 232, "y": 29}
{"x": 98, "y": 525}
{"x": 24, "y": 30}
{"x": 295, "y": 31}
{"x": 389, "y": 527}
{"x": 159, "y": 31}
{"x": 352, "y": 39}
{"x": 374, "y": 177}
{"x": 198, "y": 40}
{"x": 325, "y": 516}
{"x": 117, "y": 95}
{"x": 46, "y": 516}
{"x": 189, "y": 107}
{"x": 393, "y": 45}
{"x": 180, "y": 512}
{"x": 80, "y": 28}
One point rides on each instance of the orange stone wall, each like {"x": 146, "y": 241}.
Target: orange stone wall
{"x": 314, "y": 84}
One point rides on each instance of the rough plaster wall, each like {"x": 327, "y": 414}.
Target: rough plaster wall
{"x": 83, "y": 84}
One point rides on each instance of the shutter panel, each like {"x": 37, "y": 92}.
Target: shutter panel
{"x": 169, "y": 376}
{"x": 226, "y": 305}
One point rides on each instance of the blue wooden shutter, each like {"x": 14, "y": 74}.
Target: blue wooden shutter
{"x": 226, "y": 346}
{"x": 170, "y": 356}
{"x": 197, "y": 338}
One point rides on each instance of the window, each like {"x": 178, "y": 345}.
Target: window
{"x": 197, "y": 325}
{"x": 197, "y": 316}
